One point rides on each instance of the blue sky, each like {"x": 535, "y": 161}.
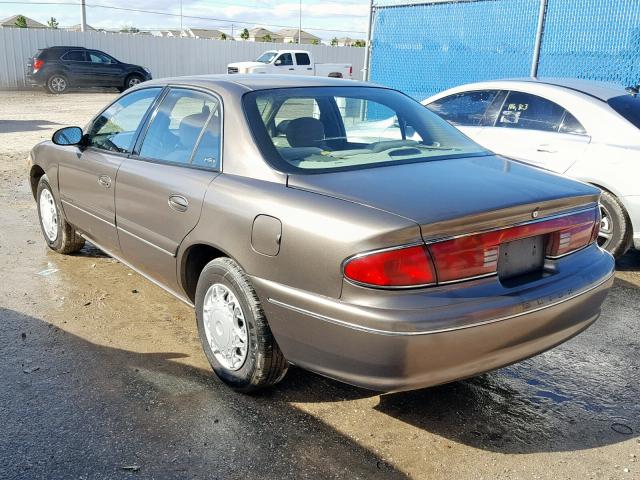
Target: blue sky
{"x": 331, "y": 15}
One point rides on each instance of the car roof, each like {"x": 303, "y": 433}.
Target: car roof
{"x": 260, "y": 82}
{"x": 599, "y": 90}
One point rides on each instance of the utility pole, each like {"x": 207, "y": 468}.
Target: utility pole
{"x": 367, "y": 47}
{"x": 539, "y": 31}
{"x": 83, "y": 17}
{"x": 300, "y": 23}
{"x": 180, "y": 17}
{"x": 232, "y": 37}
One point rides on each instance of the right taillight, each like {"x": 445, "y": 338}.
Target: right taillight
{"x": 37, "y": 65}
{"x": 469, "y": 256}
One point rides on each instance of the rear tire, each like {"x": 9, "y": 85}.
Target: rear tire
{"x": 615, "y": 228}
{"x": 226, "y": 304}
{"x": 59, "y": 235}
{"x": 57, "y": 84}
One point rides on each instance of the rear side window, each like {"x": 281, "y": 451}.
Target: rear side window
{"x": 302, "y": 59}
{"x": 570, "y": 124}
{"x": 74, "y": 56}
{"x": 464, "y": 109}
{"x": 115, "y": 128}
{"x": 530, "y": 112}
{"x": 177, "y": 127}
{"x": 628, "y": 106}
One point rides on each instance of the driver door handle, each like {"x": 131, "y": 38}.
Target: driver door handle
{"x": 546, "y": 149}
{"x": 104, "y": 181}
{"x": 292, "y": 69}
{"x": 178, "y": 203}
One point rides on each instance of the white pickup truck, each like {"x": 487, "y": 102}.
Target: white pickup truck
{"x": 291, "y": 62}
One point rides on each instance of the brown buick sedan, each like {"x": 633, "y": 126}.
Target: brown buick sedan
{"x": 307, "y": 228}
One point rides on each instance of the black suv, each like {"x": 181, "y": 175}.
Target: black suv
{"x": 58, "y": 68}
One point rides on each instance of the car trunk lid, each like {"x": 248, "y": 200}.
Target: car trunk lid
{"x": 455, "y": 196}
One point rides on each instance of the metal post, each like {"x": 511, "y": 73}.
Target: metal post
{"x": 83, "y": 17}
{"x": 536, "y": 49}
{"x": 367, "y": 47}
{"x": 300, "y": 23}
{"x": 180, "y": 17}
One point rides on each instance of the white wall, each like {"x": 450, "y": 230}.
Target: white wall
{"x": 164, "y": 56}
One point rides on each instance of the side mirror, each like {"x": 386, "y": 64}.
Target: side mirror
{"x": 67, "y": 136}
{"x": 278, "y": 62}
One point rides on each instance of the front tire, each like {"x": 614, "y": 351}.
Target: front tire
{"x": 59, "y": 235}
{"x": 233, "y": 329}
{"x": 615, "y": 228}
{"x": 131, "y": 81}
{"x": 57, "y": 84}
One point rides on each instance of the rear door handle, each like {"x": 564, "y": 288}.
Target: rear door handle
{"x": 292, "y": 69}
{"x": 104, "y": 181}
{"x": 178, "y": 203}
{"x": 546, "y": 149}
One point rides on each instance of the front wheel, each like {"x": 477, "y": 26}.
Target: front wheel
{"x": 59, "y": 235}
{"x": 615, "y": 229}
{"x": 233, "y": 329}
{"x": 132, "y": 80}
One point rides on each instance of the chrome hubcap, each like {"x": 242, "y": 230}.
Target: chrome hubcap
{"x": 133, "y": 82}
{"x": 225, "y": 326}
{"x": 58, "y": 84}
{"x": 49, "y": 215}
{"x": 606, "y": 227}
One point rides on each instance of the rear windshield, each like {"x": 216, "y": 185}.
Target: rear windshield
{"x": 37, "y": 54}
{"x": 628, "y": 106}
{"x": 319, "y": 129}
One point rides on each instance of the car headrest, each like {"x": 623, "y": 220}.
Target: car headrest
{"x": 305, "y": 132}
{"x": 190, "y": 127}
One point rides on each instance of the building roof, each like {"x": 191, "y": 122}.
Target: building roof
{"x": 293, "y": 33}
{"x": 261, "y": 32}
{"x": 205, "y": 33}
{"x": 11, "y": 22}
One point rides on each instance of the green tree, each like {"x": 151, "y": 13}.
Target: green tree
{"x": 334, "y": 42}
{"x": 359, "y": 43}
{"x": 245, "y": 34}
{"x": 223, "y": 36}
{"x": 267, "y": 38}
{"x": 129, "y": 29}
{"x": 315, "y": 41}
{"x": 52, "y": 22}
{"x": 21, "y": 21}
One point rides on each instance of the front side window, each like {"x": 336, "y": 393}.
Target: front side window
{"x": 99, "y": 57}
{"x": 284, "y": 59}
{"x": 302, "y": 59}
{"x": 628, "y": 106}
{"x": 333, "y": 128}
{"x": 74, "y": 56}
{"x": 464, "y": 109}
{"x": 531, "y": 112}
{"x": 177, "y": 125}
{"x": 115, "y": 128}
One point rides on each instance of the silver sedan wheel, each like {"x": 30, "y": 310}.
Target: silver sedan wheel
{"x": 58, "y": 84}
{"x": 49, "y": 215}
{"x": 133, "y": 82}
{"x": 606, "y": 227}
{"x": 225, "y": 326}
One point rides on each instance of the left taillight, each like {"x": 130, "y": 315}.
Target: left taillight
{"x": 469, "y": 256}
{"x": 400, "y": 267}
{"x": 37, "y": 65}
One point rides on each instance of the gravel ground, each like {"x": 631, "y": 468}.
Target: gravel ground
{"x": 104, "y": 377}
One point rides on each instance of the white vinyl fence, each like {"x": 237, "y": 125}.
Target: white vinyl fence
{"x": 164, "y": 56}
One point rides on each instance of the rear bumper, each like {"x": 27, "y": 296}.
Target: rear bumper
{"x": 391, "y": 346}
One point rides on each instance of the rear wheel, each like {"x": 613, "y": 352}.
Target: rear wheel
{"x": 57, "y": 83}
{"x": 59, "y": 235}
{"x": 233, "y": 329}
{"x": 615, "y": 229}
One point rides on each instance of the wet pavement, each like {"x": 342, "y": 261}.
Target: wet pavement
{"x": 103, "y": 377}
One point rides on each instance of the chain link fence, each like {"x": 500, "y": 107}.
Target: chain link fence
{"x": 425, "y": 47}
